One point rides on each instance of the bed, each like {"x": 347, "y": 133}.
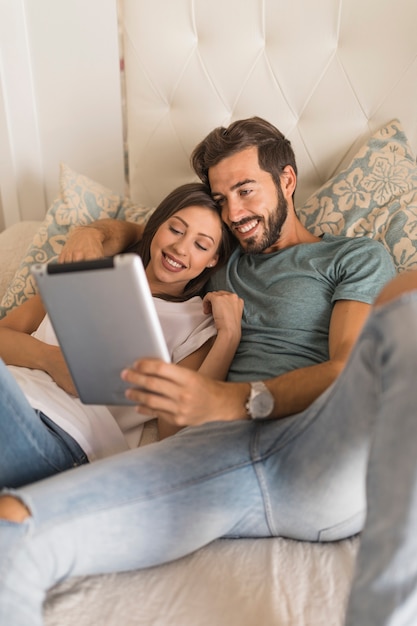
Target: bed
{"x": 340, "y": 80}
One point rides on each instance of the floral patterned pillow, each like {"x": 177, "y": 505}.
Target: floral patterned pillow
{"x": 80, "y": 201}
{"x": 375, "y": 196}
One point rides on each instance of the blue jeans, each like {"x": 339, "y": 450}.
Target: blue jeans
{"x": 384, "y": 591}
{"x": 32, "y": 447}
{"x": 301, "y": 477}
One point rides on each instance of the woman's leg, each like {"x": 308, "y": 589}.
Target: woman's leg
{"x": 133, "y": 510}
{"x": 31, "y": 447}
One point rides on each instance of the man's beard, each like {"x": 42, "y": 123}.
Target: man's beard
{"x": 272, "y": 231}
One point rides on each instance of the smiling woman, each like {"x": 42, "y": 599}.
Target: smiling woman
{"x": 185, "y": 236}
{"x": 186, "y": 244}
{"x": 181, "y": 246}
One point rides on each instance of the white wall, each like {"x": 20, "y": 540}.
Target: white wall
{"x": 60, "y": 100}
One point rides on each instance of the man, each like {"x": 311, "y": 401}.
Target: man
{"x": 279, "y": 449}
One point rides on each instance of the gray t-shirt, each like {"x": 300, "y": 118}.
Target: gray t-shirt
{"x": 289, "y": 297}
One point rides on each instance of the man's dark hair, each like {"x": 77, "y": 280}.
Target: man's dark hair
{"x": 274, "y": 150}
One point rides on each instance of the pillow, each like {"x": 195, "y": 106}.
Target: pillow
{"x": 374, "y": 196}
{"x": 80, "y": 201}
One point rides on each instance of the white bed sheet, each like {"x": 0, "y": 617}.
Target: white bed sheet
{"x": 242, "y": 582}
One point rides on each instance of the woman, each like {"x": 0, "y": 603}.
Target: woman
{"x": 44, "y": 427}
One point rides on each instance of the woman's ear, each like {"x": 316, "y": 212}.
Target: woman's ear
{"x": 213, "y": 262}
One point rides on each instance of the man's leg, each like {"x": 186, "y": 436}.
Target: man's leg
{"x": 384, "y": 591}
{"x": 317, "y": 480}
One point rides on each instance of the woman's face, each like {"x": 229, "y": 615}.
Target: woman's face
{"x": 182, "y": 248}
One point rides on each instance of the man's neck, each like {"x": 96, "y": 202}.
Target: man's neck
{"x": 293, "y": 233}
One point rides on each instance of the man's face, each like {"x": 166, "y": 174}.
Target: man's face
{"x": 252, "y": 206}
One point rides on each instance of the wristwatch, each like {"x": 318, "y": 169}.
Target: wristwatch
{"x": 260, "y": 403}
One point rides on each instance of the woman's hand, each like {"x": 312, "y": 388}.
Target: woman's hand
{"x": 181, "y": 396}
{"x": 226, "y": 309}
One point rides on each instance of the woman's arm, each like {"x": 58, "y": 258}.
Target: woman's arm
{"x": 18, "y": 347}
{"x": 214, "y": 358}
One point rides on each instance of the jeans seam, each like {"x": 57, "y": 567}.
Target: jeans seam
{"x": 257, "y": 462}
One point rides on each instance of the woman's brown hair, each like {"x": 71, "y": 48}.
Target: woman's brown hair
{"x": 189, "y": 194}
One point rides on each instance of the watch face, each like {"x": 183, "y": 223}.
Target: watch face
{"x": 261, "y": 403}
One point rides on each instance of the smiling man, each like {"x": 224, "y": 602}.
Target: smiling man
{"x": 251, "y": 198}
{"x": 246, "y": 204}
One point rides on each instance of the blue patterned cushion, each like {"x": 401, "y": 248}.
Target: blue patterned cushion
{"x": 375, "y": 196}
{"x": 80, "y": 201}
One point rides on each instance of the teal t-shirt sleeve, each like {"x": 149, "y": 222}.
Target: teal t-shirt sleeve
{"x": 363, "y": 267}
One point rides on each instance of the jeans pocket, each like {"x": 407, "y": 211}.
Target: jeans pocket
{"x": 342, "y": 530}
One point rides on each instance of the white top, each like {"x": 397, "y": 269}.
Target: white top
{"x": 102, "y": 431}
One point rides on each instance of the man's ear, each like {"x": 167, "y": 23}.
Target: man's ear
{"x": 288, "y": 181}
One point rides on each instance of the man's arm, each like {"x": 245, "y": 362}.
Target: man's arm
{"x": 188, "y": 398}
{"x": 101, "y": 238}
{"x": 296, "y": 390}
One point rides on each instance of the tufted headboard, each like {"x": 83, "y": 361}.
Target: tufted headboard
{"x": 328, "y": 73}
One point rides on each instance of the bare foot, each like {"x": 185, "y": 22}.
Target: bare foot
{"x": 12, "y": 509}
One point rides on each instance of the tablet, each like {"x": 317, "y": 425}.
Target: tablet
{"x": 104, "y": 318}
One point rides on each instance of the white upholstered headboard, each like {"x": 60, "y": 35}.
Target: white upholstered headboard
{"x": 328, "y": 73}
